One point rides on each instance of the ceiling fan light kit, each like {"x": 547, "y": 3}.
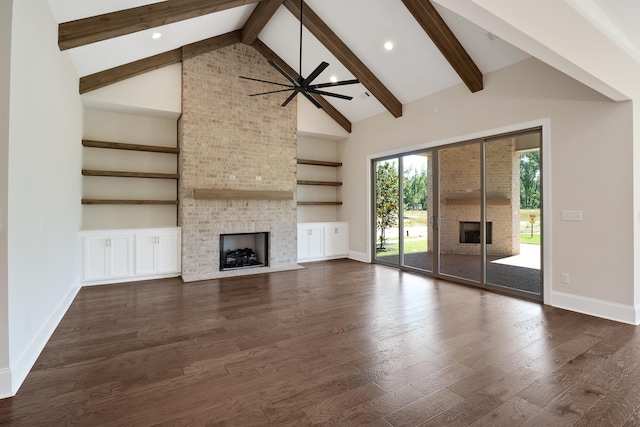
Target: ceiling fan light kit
{"x": 299, "y": 84}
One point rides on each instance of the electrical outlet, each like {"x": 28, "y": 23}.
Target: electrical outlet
{"x": 258, "y": 178}
{"x": 564, "y": 278}
{"x": 232, "y": 177}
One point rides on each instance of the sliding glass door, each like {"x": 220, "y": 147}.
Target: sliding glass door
{"x": 469, "y": 212}
{"x": 513, "y": 206}
{"x": 417, "y": 203}
{"x": 403, "y": 210}
{"x": 459, "y": 177}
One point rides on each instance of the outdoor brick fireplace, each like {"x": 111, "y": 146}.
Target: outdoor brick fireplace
{"x": 240, "y": 152}
{"x": 460, "y": 199}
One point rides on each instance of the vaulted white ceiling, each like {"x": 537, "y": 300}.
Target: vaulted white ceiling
{"x": 413, "y": 69}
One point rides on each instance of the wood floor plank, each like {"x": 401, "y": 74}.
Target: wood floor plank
{"x": 335, "y": 343}
{"x": 424, "y": 409}
{"x": 512, "y": 413}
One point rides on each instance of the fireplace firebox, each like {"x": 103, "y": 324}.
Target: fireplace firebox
{"x": 470, "y": 232}
{"x": 244, "y": 250}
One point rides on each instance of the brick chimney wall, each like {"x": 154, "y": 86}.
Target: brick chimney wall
{"x": 229, "y": 140}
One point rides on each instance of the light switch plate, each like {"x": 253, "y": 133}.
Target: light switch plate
{"x": 571, "y": 215}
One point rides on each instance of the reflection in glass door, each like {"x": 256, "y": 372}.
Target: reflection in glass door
{"x": 459, "y": 171}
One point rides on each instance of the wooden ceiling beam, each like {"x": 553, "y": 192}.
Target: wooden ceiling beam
{"x": 340, "y": 50}
{"x": 96, "y": 28}
{"x": 258, "y": 19}
{"x": 209, "y": 45}
{"x": 114, "y": 75}
{"x": 270, "y": 55}
{"x": 448, "y": 44}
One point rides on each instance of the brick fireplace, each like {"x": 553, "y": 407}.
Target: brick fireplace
{"x": 230, "y": 141}
{"x": 460, "y": 198}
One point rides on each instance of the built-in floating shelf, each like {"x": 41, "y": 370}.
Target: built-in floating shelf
{"x": 127, "y": 202}
{"x": 123, "y": 174}
{"x": 330, "y": 183}
{"x": 222, "y": 194}
{"x": 319, "y": 203}
{"x": 318, "y": 163}
{"x": 131, "y": 147}
{"x": 476, "y": 201}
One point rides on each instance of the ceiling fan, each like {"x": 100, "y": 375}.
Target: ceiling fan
{"x": 303, "y": 85}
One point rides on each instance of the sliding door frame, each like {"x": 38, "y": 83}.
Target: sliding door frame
{"x": 545, "y": 244}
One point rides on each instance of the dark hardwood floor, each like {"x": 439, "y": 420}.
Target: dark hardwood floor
{"x": 338, "y": 342}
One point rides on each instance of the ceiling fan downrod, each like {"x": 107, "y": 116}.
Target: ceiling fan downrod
{"x": 300, "y": 84}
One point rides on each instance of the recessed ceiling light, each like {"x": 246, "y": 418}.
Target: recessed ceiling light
{"x": 156, "y": 36}
{"x": 388, "y": 45}
{"x": 333, "y": 79}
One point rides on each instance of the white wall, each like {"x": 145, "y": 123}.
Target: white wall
{"x": 156, "y": 93}
{"x": 45, "y": 130}
{"x": 313, "y": 120}
{"x": 5, "y": 52}
{"x": 591, "y": 169}
{"x": 101, "y": 125}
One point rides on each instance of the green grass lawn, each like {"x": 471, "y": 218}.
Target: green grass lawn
{"x": 421, "y": 218}
{"x": 531, "y": 240}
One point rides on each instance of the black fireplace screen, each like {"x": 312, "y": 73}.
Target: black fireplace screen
{"x": 470, "y": 232}
{"x": 244, "y": 250}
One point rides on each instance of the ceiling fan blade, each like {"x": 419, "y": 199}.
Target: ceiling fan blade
{"x": 284, "y": 73}
{"x": 319, "y": 69}
{"x": 312, "y": 99}
{"x": 271, "y": 91}
{"x": 264, "y": 81}
{"x": 288, "y": 100}
{"x": 334, "y": 95}
{"x": 341, "y": 83}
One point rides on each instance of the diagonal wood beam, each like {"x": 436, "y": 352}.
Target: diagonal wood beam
{"x": 258, "y": 19}
{"x": 209, "y": 45}
{"x": 270, "y": 55}
{"x": 444, "y": 39}
{"x": 340, "y": 50}
{"x": 114, "y": 75}
{"x": 96, "y": 28}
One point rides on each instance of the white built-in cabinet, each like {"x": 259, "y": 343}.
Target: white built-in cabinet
{"x": 108, "y": 256}
{"x": 112, "y": 256}
{"x": 322, "y": 240}
{"x": 157, "y": 252}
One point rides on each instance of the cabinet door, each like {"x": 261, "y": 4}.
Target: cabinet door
{"x": 96, "y": 258}
{"x": 121, "y": 253}
{"x": 310, "y": 241}
{"x": 146, "y": 254}
{"x": 168, "y": 253}
{"x": 315, "y": 242}
{"x": 336, "y": 237}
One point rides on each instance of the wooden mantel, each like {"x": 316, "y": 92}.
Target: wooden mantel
{"x": 226, "y": 194}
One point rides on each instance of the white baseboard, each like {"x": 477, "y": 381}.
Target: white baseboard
{"x": 359, "y": 256}
{"x": 130, "y": 279}
{"x": 322, "y": 258}
{"x": 19, "y": 371}
{"x": 6, "y": 388}
{"x": 594, "y": 307}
